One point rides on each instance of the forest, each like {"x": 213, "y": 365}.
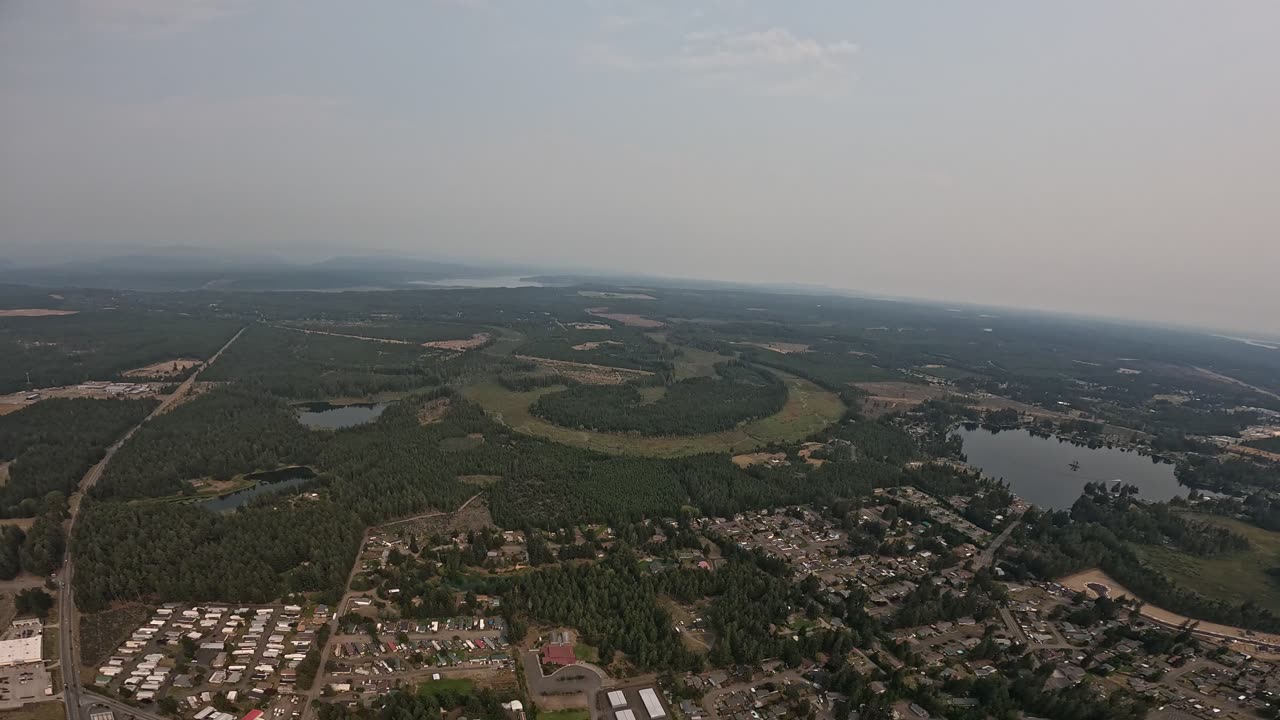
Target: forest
{"x": 219, "y": 434}
{"x": 50, "y": 445}
{"x": 42, "y": 352}
{"x": 296, "y": 364}
{"x": 692, "y": 406}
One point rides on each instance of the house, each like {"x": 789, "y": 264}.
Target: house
{"x": 558, "y": 654}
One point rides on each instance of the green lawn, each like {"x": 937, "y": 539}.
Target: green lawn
{"x": 450, "y": 685}
{"x": 809, "y": 408}
{"x": 1232, "y": 577}
{"x": 572, "y": 714}
{"x": 586, "y": 653}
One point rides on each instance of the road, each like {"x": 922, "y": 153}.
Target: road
{"x": 989, "y": 554}
{"x": 73, "y": 694}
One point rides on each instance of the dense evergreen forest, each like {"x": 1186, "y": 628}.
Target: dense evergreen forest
{"x": 296, "y": 364}
{"x": 179, "y": 552}
{"x": 50, "y": 445}
{"x": 219, "y": 434}
{"x": 100, "y": 344}
{"x": 692, "y": 406}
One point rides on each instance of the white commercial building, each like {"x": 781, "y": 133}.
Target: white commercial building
{"x": 651, "y": 704}
{"x": 20, "y": 651}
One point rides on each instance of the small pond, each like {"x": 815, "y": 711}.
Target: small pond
{"x": 328, "y": 416}
{"x": 1039, "y": 469}
{"x": 268, "y": 482}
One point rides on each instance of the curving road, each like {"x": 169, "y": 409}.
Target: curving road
{"x": 69, "y": 647}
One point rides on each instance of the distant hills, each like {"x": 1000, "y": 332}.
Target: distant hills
{"x": 189, "y": 268}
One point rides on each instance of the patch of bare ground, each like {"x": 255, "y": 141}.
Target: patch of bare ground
{"x": 759, "y": 458}
{"x": 475, "y": 341}
{"x": 807, "y": 450}
{"x": 433, "y": 411}
{"x": 587, "y": 373}
{"x": 4, "y": 474}
{"x": 1095, "y": 582}
{"x": 595, "y": 344}
{"x": 7, "y": 408}
{"x": 35, "y": 312}
{"x": 475, "y": 516}
{"x": 629, "y": 319}
{"x": 101, "y": 633}
{"x": 889, "y": 397}
{"x": 784, "y": 348}
{"x": 589, "y": 326}
{"x": 168, "y": 368}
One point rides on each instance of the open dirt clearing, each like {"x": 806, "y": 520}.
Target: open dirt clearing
{"x": 471, "y": 343}
{"x": 433, "y": 411}
{"x": 589, "y": 326}
{"x": 889, "y": 397}
{"x": 760, "y": 458}
{"x": 595, "y": 344}
{"x": 809, "y": 409}
{"x": 163, "y": 369}
{"x": 35, "y": 312}
{"x": 7, "y": 408}
{"x": 784, "y": 348}
{"x": 4, "y": 474}
{"x": 587, "y": 373}
{"x": 629, "y": 319}
{"x": 1082, "y": 581}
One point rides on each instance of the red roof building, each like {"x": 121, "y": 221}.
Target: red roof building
{"x": 252, "y": 715}
{"x": 558, "y": 655}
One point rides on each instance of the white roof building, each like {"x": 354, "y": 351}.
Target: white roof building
{"x": 20, "y": 651}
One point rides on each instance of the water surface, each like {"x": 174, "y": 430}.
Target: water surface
{"x": 268, "y": 482}
{"x": 323, "y": 415}
{"x": 1038, "y": 469}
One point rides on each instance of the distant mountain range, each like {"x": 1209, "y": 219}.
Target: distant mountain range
{"x": 188, "y": 268}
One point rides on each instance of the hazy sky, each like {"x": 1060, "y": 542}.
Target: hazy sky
{"x": 1113, "y": 157}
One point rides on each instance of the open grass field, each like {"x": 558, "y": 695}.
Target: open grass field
{"x": 809, "y": 408}
{"x": 451, "y": 685}
{"x": 570, "y": 714}
{"x": 52, "y": 710}
{"x": 1228, "y": 577}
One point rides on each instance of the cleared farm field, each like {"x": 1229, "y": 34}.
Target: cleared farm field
{"x": 809, "y": 408}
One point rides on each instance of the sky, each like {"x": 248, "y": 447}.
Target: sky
{"x": 1098, "y": 157}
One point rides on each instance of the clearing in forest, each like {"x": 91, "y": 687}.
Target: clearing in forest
{"x": 808, "y": 409}
{"x": 595, "y": 344}
{"x": 785, "y": 348}
{"x": 588, "y": 326}
{"x": 35, "y": 312}
{"x": 163, "y": 369}
{"x": 761, "y": 458}
{"x": 471, "y": 343}
{"x": 586, "y": 373}
{"x": 629, "y": 319}
{"x": 4, "y": 474}
{"x": 433, "y": 411}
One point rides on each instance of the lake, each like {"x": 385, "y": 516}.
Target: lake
{"x": 327, "y": 416}
{"x": 268, "y": 482}
{"x": 1038, "y": 469}
{"x": 504, "y": 281}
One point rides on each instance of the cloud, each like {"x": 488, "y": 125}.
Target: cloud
{"x": 155, "y": 15}
{"x": 773, "y": 61}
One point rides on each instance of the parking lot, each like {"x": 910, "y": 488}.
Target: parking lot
{"x": 23, "y": 684}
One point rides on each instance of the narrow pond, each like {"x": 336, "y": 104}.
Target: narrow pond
{"x": 328, "y": 416}
{"x": 1039, "y": 470}
{"x": 268, "y": 482}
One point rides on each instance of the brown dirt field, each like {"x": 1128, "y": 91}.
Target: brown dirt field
{"x": 163, "y": 369}
{"x": 433, "y": 411}
{"x": 806, "y": 452}
{"x": 589, "y": 326}
{"x": 784, "y": 348}
{"x": 7, "y": 408}
{"x": 889, "y": 397}
{"x": 35, "y": 312}
{"x": 594, "y": 345}
{"x": 1254, "y": 452}
{"x": 629, "y": 319}
{"x": 760, "y": 458}
{"x": 4, "y": 474}
{"x": 472, "y": 343}
{"x": 586, "y": 372}
{"x": 1081, "y": 580}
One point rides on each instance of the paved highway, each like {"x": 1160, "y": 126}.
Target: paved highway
{"x": 73, "y": 695}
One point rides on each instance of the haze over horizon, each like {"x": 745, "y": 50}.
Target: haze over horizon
{"x": 1093, "y": 158}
